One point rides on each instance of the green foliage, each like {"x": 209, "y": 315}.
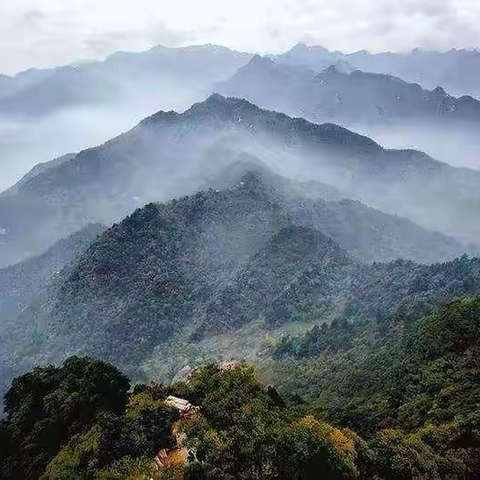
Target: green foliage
{"x": 245, "y": 432}
{"x": 47, "y": 406}
{"x": 119, "y": 444}
{"x": 131, "y": 468}
{"x": 413, "y": 392}
{"x": 73, "y": 460}
{"x": 242, "y": 430}
{"x": 381, "y": 359}
{"x": 213, "y": 262}
{"x": 310, "y": 448}
{"x": 280, "y": 280}
{"x": 408, "y": 456}
{"x": 74, "y": 421}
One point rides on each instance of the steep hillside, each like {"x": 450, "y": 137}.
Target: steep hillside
{"x": 371, "y": 235}
{"x": 255, "y": 290}
{"x": 21, "y": 282}
{"x": 80, "y": 420}
{"x": 412, "y": 395}
{"x": 178, "y": 275}
{"x": 171, "y": 154}
{"x": 418, "y": 372}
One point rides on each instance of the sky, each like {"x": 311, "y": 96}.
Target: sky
{"x": 44, "y": 33}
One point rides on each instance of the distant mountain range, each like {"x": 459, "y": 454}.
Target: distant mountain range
{"x": 49, "y": 113}
{"x": 353, "y": 97}
{"x": 171, "y": 154}
{"x": 162, "y": 77}
{"x": 379, "y": 105}
{"x": 456, "y": 70}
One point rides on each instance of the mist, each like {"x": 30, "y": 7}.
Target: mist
{"x": 457, "y": 145}
{"x": 28, "y": 141}
{"x": 171, "y": 154}
{"x": 46, "y": 114}
{"x": 24, "y": 144}
{"x": 395, "y": 113}
{"x": 182, "y": 148}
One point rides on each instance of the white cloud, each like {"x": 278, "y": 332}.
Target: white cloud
{"x": 51, "y": 32}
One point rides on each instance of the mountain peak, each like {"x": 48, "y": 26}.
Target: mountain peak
{"x": 440, "y": 92}
{"x": 216, "y": 98}
{"x": 364, "y": 53}
{"x": 201, "y": 47}
{"x": 302, "y": 47}
{"x": 217, "y": 101}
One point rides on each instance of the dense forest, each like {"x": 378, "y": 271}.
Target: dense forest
{"x": 174, "y": 275}
{"x": 84, "y": 420}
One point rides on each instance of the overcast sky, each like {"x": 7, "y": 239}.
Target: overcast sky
{"x": 40, "y": 33}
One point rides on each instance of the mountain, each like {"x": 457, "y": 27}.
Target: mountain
{"x": 382, "y": 106}
{"x": 179, "y": 274}
{"x": 21, "y": 282}
{"x": 371, "y": 235}
{"x": 183, "y": 74}
{"x": 49, "y": 113}
{"x": 352, "y": 97}
{"x": 224, "y": 275}
{"x": 170, "y": 154}
{"x": 240, "y": 238}
{"x": 223, "y": 421}
{"x": 37, "y": 169}
{"x": 412, "y": 374}
{"x": 455, "y": 70}
{"x": 315, "y": 57}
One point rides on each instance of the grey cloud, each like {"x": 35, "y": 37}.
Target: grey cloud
{"x": 93, "y": 28}
{"x": 103, "y": 43}
{"x": 34, "y": 17}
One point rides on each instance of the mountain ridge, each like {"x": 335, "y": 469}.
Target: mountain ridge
{"x": 35, "y": 83}
{"x": 97, "y": 185}
{"x": 380, "y": 105}
{"x": 209, "y": 264}
{"x": 454, "y": 69}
